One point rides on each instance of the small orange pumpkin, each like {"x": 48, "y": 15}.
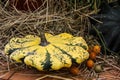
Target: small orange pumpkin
{"x": 92, "y": 55}
{"x": 97, "y": 49}
{"x": 90, "y": 63}
{"x": 26, "y": 5}
{"x": 74, "y": 70}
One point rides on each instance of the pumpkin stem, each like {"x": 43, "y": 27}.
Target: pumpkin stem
{"x": 44, "y": 41}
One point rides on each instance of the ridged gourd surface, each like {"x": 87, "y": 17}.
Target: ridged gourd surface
{"x": 63, "y": 50}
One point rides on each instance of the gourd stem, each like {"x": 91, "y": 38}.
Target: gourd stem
{"x": 44, "y": 41}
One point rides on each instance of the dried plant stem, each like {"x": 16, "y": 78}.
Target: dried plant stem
{"x": 8, "y": 63}
{"x": 52, "y": 76}
{"x": 118, "y": 68}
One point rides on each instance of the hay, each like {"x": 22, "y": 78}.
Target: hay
{"x": 54, "y": 16}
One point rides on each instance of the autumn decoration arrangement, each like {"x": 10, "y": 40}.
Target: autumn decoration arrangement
{"x": 93, "y": 51}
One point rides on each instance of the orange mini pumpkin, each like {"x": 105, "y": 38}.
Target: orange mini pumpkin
{"x": 90, "y": 63}
{"x": 26, "y": 5}
{"x": 97, "y": 49}
{"x": 74, "y": 70}
{"x": 93, "y": 55}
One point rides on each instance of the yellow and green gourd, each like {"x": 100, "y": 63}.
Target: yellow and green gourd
{"x": 48, "y": 52}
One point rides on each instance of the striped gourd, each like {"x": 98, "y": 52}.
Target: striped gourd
{"x": 48, "y": 52}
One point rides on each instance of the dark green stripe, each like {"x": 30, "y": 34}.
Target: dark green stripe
{"x": 81, "y": 45}
{"x": 47, "y": 63}
{"x": 21, "y": 41}
{"x": 64, "y": 52}
{"x": 10, "y": 51}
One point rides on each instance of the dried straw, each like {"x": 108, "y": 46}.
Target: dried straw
{"x": 54, "y": 16}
